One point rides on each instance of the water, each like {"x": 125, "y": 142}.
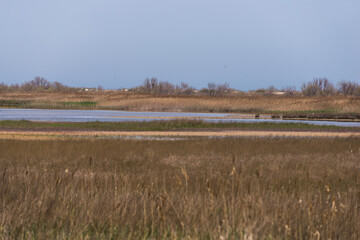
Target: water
{"x": 96, "y": 115}
{"x": 121, "y": 116}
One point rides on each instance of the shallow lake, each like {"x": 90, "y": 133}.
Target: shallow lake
{"x": 121, "y": 116}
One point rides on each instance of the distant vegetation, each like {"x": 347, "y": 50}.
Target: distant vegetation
{"x": 323, "y": 87}
{"x": 38, "y": 84}
{"x": 316, "y": 87}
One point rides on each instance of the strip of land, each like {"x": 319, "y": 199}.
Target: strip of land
{"x": 46, "y": 135}
{"x": 290, "y": 107}
{"x": 165, "y": 129}
{"x": 169, "y": 125}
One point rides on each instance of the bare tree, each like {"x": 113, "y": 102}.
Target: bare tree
{"x": 212, "y": 88}
{"x": 146, "y": 85}
{"x": 164, "y": 87}
{"x": 3, "y": 87}
{"x": 41, "y": 82}
{"x": 347, "y": 88}
{"x": 222, "y": 89}
{"x": 318, "y": 87}
{"x": 37, "y": 84}
{"x": 185, "y": 88}
{"x": 217, "y": 90}
{"x": 154, "y": 85}
{"x": 57, "y": 87}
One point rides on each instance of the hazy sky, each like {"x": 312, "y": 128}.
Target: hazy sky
{"x": 249, "y": 44}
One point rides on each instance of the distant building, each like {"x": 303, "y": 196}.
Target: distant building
{"x": 279, "y": 93}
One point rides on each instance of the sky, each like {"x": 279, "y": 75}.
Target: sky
{"x": 249, "y": 44}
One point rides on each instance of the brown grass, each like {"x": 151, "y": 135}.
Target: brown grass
{"x": 138, "y": 102}
{"x": 228, "y": 188}
{"x": 50, "y": 135}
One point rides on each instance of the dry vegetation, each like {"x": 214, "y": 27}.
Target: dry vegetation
{"x": 222, "y": 188}
{"x": 117, "y": 100}
{"x": 319, "y": 98}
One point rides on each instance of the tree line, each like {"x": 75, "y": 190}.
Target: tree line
{"x": 38, "y": 84}
{"x": 323, "y": 87}
{"x": 154, "y": 86}
{"x": 316, "y": 87}
{"x": 149, "y": 86}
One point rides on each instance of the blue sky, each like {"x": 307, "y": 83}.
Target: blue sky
{"x": 249, "y": 44}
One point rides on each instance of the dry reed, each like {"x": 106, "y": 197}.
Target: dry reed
{"x": 222, "y": 188}
{"x": 140, "y": 102}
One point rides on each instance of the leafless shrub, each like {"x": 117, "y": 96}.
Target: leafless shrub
{"x": 154, "y": 86}
{"x": 149, "y": 86}
{"x": 211, "y": 88}
{"x": 318, "y": 87}
{"x": 347, "y": 88}
{"x": 214, "y": 89}
{"x": 3, "y": 87}
{"x": 184, "y": 89}
{"x": 37, "y": 84}
{"x": 223, "y": 88}
{"x": 164, "y": 87}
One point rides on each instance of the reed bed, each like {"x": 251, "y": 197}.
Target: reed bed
{"x": 220, "y": 188}
{"x": 117, "y": 100}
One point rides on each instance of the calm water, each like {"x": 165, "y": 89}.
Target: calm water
{"x": 120, "y": 116}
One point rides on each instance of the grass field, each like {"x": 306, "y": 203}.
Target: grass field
{"x": 217, "y": 188}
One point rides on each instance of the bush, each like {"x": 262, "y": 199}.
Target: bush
{"x": 216, "y": 90}
{"x": 348, "y": 88}
{"x": 318, "y": 87}
{"x": 37, "y": 84}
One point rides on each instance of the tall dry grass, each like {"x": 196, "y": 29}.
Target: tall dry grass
{"x": 139, "y": 102}
{"x": 223, "y": 188}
